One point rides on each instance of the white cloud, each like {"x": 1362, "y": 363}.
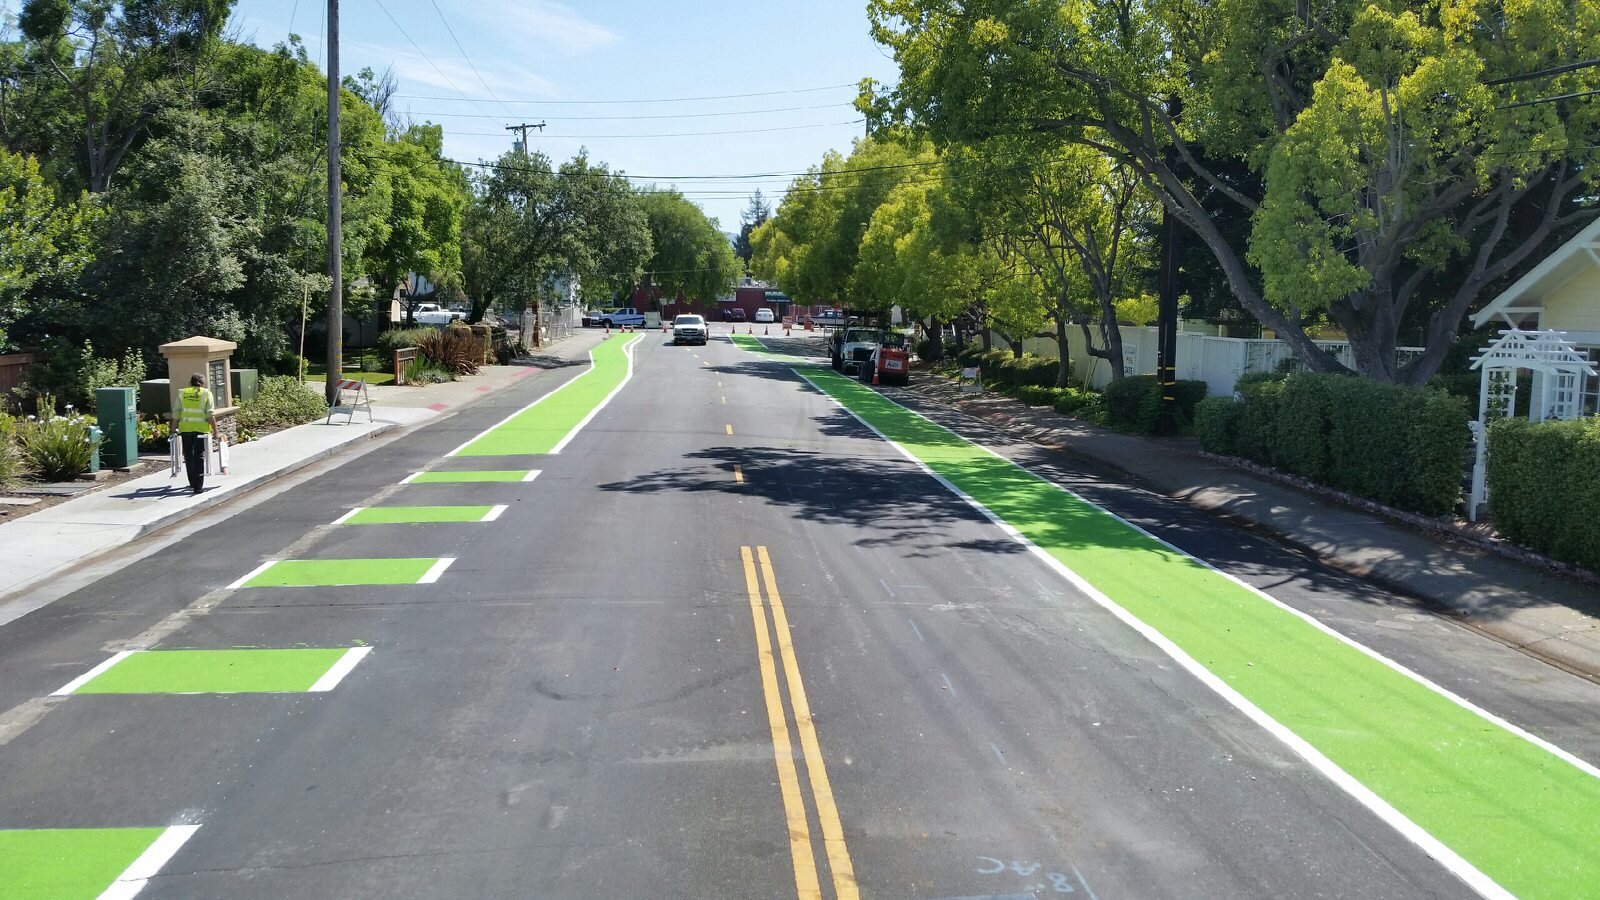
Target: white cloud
{"x": 453, "y": 74}
{"x": 544, "y": 23}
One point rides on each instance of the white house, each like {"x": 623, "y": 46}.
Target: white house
{"x": 1561, "y": 294}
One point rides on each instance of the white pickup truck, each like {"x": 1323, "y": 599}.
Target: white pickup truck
{"x": 627, "y": 315}
{"x": 434, "y": 314}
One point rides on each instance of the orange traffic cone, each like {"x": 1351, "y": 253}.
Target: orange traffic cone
{"x": 766, "y": 330}
{"x": 663, "y": 327}
{"x": 608, "y": 329}
{"x": 874, "y": 375}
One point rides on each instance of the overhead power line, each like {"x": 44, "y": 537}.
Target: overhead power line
{"x": 830, "y": 87}
{"x": 701, "y": 115}
{"x": 677, "y": 133}
{"x": 465, "y": 56}
{"x": 424, "y": 54}
{"x": 755, "y": 175}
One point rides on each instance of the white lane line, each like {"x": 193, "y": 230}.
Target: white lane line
{"x": 917, "y": 630}
{"x": 148, "y": 865}
{"x": 252, "y": 574}
{"x": 410, "y": 478}
{"x": 340, "y": 669}
{"x": 886, "y": 589}
{"x": 948, "y": 686}
{"x": 436, "y": 570}
{"x": 494, "y": 513}
{"x": 90, "y": 675}
{"x": 575, "y": 379}
{"x": 347, "y": 516}
{"x": 1411, "y": 831}
{"x": 532, "y": 474}
{"x": 627, "y": 351}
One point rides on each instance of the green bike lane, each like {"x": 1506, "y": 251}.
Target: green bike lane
{"x": 1506, "y": 812}
{"x": 209, "y": 656}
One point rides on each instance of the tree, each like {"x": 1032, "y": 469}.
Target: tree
{"x": 427, "y": 198}
{"x": 530, "y": 223}
{"x": 689, "y": 257}
{"x": 1073, "y": 222}
{"x": 43, "y": 241}
{"x": 121, "y": 64}
{"x": 754, "y": 216}
{"x": 1391, "y": 155}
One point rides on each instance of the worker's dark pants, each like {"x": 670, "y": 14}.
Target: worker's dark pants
{"x": 194, "y": 459}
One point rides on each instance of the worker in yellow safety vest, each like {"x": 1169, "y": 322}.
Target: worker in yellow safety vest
{"x": 195, "y": 417}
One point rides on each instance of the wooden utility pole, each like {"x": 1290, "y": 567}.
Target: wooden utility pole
{"x": 1167, "y": 305}
{"x": 523, "y": 129}
{"x": 335, "y": 362}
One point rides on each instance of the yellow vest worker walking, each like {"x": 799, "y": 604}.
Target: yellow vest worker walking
{"x": 195, "y": 417}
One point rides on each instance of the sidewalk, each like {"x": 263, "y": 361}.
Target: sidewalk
{"x": 47, "y": 543}
{"x": 1544, "y": 614}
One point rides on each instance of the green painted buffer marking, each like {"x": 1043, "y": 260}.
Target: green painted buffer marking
{"x": 344, "y": 572}
{"x": 72, "y": 863}
{"x": 415, "y": 515}
{"x": 487, "y": 476}
{"x": 237, "y": 671}
{"x": 1524, "y": 815}
{"x": 547, "y": 424}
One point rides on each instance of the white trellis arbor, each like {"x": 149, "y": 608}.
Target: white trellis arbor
{"x": 1559, "y": 372}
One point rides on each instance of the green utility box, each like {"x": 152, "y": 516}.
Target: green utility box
{"x": 96, "y": 442}
{"x": 245, "y": 385}
{"x": 119, "y": 419}
{"x": 155, "y": 397}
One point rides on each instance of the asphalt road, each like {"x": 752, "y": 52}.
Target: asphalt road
{"x": 586, "y": 702}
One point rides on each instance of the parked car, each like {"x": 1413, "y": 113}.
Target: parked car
{"x": 828, "y": 317}
{"x": 764, "y": 315}
{"x": 434, "y": 314}
{"x": 733, "y": 314}
{"x": 627, "y": 315}
{"x": 689, "y": 329}
{"x": 593, "y": 318}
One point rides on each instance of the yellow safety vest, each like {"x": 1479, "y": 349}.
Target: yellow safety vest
{"x": 194, "y": 410}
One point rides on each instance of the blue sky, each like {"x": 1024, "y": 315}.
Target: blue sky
{"x": 557, "y": 57}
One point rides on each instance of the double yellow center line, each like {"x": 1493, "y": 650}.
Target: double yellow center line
{"x": 805, "y": 863}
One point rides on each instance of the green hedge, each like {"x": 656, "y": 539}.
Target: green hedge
{"x": 1396, "y": 445}
{"x": 1134, "y": 403}
{"x": 1216, "y": 424}
{"x": 1543, "y": 489}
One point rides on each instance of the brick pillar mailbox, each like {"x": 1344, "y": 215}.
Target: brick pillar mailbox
{"x": 211, "y": 359}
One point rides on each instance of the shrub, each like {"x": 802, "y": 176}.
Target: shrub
{"x": 1034, "y": 395}
{"x": 1396, "y": 445}
{"x": 455, "y": 350}
{"x": 1256, "y": 436}
{"x": 1216, "y": 424}
{"x": 970, "y": 354}
{"x": 154, "y": 434}
{"x": 57, "y": 448}
{"x": 1543, "y": 493}
{"x": 1134, "y": 403}
{"x": 420, "y": 371}
{"x": 282, "y": 402}
{"x": 401, "y": 338}
{"x": 10, "y": 460}
{"x": 1305, "y": 409}
{"x": 95, "y": 373}
{"x": 1074, "y": 402}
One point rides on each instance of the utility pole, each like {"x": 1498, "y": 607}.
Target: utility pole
{"x": 523, "y": 128}
{"x": 335, "y": 216}
{"x": 1167, "y": 305}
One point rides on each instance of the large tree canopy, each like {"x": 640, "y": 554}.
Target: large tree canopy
{"x": 1398, "y": 175}
{"x": 690, "y": 257}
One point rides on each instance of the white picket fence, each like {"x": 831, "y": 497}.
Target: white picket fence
{"x": 1218, "y": 361}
